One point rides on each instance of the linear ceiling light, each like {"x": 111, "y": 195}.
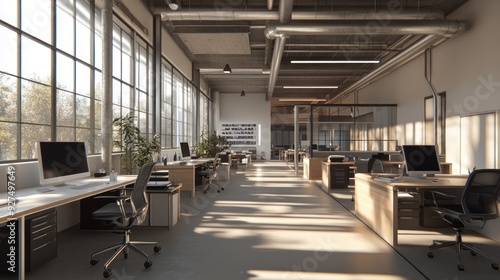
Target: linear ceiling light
{"x": 335, "y": 61}
{"x": 302, "y": 99}
{"x": 227, "y": 69}
{"x": 310, "y": 87}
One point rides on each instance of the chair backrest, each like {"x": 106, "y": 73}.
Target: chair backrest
{"x": 138, "y": 197}
{"x": 375, "y": 165}
{"x": 361, "y": 165}
{"x": 479, "y": 198}
{"x": 369, "y": 165}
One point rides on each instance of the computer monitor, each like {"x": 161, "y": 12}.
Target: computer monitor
{"x": 420, "y": 160}
{"x": 61, "y": 161}
{"x": 186, "y": 153}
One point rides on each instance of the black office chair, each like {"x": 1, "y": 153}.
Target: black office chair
{"x": 210, "y": 173}
{"x": 123, "y": 213}
{"x": 478, "y": 205}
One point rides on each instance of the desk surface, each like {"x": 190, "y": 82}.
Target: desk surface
{"x": 35, "y": 199}
{"x": 396, "y": 181}
{"x": 188, "y": 162}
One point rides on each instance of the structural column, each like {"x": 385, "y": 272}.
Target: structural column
{"x": 107, "y": 98}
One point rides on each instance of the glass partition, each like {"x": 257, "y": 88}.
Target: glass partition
{"x": 340, "y": 127}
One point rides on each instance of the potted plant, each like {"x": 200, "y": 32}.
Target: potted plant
{"x": 137, "y": 150}
{"x": 210, "y": 145}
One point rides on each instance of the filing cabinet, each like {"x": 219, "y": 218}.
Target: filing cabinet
{"x": 408, "y": 210}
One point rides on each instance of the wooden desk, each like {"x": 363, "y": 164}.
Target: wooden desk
{"x": 376, "y": 202}
{"x": 312, "y": 167}
{"x": 36, "y": 199}
{"x": 185, "y": 173}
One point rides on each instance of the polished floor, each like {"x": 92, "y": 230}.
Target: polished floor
{"x": 268, "y": 223}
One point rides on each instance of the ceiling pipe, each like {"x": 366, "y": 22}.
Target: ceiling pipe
{"x": 397, "y": 61}
{"x": 279, "y": 46}
{"x": 285, "y": 16}
{"x": 285, "y": 11}
{"x": 255, "y": 14}
{"x": 446, "y": 29}
{"x": 267, "y": 52}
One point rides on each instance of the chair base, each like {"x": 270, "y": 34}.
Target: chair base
{"x": 123, "y": 247}
{"x": 459, "y": 246}
{"x": 211, "y": 184}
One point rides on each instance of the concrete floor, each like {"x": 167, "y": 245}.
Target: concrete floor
{"x": 268, "y": 223}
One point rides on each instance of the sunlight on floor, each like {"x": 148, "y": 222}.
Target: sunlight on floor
{"x": 275, "y": 275}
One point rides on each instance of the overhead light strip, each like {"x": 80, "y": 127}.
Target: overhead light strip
{"x": 335, "y": 61}
{"x": 311, "y": 87}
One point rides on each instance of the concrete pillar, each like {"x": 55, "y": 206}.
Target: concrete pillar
{"x": 107, "y": 82}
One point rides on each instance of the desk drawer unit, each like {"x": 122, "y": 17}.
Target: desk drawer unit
{"x": 408, "y": 212}
{"x": 41, "y": 241}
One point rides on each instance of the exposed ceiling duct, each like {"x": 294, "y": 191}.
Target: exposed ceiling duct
{"x": 269, "y": 4}
{"x": 253, "y": 14}
{"x": 320, "y": 31}
{"x": 441, "y": 28}
{"x": 399, "y": 60}
{"x": 444, "y": 29}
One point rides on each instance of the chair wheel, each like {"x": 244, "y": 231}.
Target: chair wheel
{"x": 460, "y": 267}
{"x": 218, "y": 191}
{"x": 157, "y": 249}
{"x": 148, "y": 263}
{"x": 125, "y": 255}
{"x": 494, "y": 266}
{"x": 205, "y": 192}
{"x": 430, "y": 255}
{"x": 107, "y": 273}
{"x": 472, "y": 253}
{"x": 94, "y": 261}
{"x": 222, "y": 188}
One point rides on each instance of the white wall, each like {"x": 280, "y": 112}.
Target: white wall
{"x": 251, "y": 108}
{"x": 467, "y": 67}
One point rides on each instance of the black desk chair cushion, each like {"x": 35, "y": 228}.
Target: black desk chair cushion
{"x": 478, "y": 205}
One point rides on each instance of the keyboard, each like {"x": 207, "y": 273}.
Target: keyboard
{"x": 88, "y": 185}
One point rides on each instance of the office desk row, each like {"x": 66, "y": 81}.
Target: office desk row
{"x": 41, "y": 198}
{"x": 376, "y": 200}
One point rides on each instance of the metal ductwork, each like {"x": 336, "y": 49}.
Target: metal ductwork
{"x": 442, "y": 28}
{"x": 437, "y": 30}
{"x": 269, "y": 4}
{"x": 254, "y": 14}
{"x": 285, "y": 11}
{"x": 285, "y": 16}
{"x": 405, "y": 56}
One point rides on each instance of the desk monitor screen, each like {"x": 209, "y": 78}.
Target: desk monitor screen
{"x": 186, "y": 154}
{"x": 62, "y": 161}
{"x": 420, "y": 160}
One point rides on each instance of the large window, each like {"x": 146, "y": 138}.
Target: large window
{"x": 51, "y": 79}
